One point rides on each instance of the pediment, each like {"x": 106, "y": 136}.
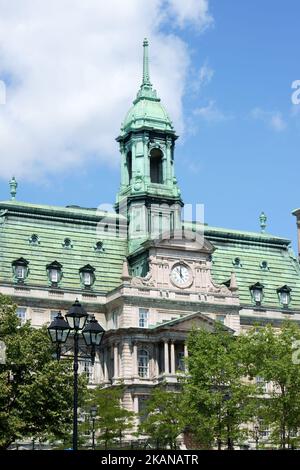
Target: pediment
{"x": 188, "y": 322}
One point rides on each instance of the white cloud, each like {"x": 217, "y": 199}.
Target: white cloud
{"x": 211, "y": 113}
{"x": 272, "y": 119}
{"x": 195, "y": 12}
{"x": 72, "y": 69}
{"x": 206, "y": 73}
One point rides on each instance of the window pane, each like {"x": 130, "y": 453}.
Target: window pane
{"x": 54, "y": 275}
{"x": 143, "y": 361}
{"x": 87, "y": 279}
{"x": 21, "y": 314}
{"x": 143, "y": 318}
{"x": 20, "y": 272}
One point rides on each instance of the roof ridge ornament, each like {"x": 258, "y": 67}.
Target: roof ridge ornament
{"x": 13, "y": 184}
{"x": 263, "y": 222}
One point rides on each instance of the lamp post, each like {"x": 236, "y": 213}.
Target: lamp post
{"x": 92, "y": 334}
{"x": 256, "y": 429}
{"x": 93, "y": 413}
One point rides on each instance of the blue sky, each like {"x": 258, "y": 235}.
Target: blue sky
{"x": 239, "y": 147}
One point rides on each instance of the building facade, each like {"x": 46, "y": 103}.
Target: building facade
{"x": 147, "y": 275}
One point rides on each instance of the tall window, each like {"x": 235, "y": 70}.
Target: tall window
{"x": 88, "y": 369}
{"x": 115, "y": 319}
{"x": 156, "y": 170}
{"x": 143, "y": 317}
{"x": 143, "y": 363}
{"x": 21, "y": 314}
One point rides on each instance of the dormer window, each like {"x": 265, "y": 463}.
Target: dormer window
{"x": 87, "y": 276}
{"x": 34, "y": 239}
{"x": 284, "y": 295}
{"x": 237, "y": 262}
{"x": 54, "y": 271}
{"x": 67, "y": 243}
{"x": 99, "y": 246}
{"x": 20, "y": 269}
{"x": 257, "y": 293}
{"x": 264, "y": 265}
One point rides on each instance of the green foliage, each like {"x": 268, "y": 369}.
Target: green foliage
{"x": 35, "y": 391}
{"x": 112, "y": 420}
{"x": 162, "y": 420}
{"x": 217, "y": 400}
{"x": 270, "y": 355}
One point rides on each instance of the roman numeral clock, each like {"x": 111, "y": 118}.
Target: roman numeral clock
{"x": 181, "y": 275}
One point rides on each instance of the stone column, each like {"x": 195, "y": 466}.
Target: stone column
{"x": 173, "y": 365}
{"x": 101, "y": 365}
{"x": 116, "y": 361}
{"x": 134, "y": 360}
{"x": 156, "y": 372}
{"x": 186, "y": 355}
{"x": 136, "y": 403}
{"x": 105, "y": 359}
{"x": 166, "y": 350}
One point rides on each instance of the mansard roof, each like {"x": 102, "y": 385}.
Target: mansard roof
{"x": 18, "y": 221}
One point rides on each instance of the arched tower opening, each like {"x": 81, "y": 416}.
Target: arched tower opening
{"x": 156, "y": 166}
{"x": 129, "y": 166}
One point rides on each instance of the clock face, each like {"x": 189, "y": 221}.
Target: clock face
{"x": 181, "y": 275}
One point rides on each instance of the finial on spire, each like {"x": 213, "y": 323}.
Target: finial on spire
{"x": 146, "y": 76}
{"x": 13, "y": 188}
{"x": 263, "y": 222}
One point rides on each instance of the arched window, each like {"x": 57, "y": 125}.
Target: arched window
{"x": 143, "y": 363}
{"x": 156, "y": 170}
{"x": 129, "y": 165}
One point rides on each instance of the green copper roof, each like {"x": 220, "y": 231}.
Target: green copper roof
{"x": 53, "y": 225}
{"x": 147, "y": 110}
{"x": 255, "y": 257}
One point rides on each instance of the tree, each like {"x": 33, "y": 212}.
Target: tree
{"x": 113, "y": 420}
{"x": 162, "y": 421}
{"x": 271, "y": 355}
{"x": 217, "y": 399}
{"x": 35, "y": 391}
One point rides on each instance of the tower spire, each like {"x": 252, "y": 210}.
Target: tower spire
{"x": 146, "y": 90}
{"x": 146, "y": 76}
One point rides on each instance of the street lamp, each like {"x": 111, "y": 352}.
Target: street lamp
{"x": 256, "y": 429}
{"x": 93, "y": 413}
{"x": 59, "y": 331}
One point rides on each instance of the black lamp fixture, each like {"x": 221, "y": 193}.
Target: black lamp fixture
{"x": 257, "y": 292}
{"x": 76, "y": 316}
{"x": 92, "y": 334}
{"x": 58, "y": 331}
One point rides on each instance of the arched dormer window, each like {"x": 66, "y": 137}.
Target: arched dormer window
{"x": 156, "y": 166}
{"x": 143, "y": 363}
{"x": 87, "y": 276}
{"x": 257, "y": 293}
{"x": 284, "y": 295}
{"x": 54, "y": 271}
{"x": 20, "y": 269}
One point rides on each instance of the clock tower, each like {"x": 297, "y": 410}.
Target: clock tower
{"x": 148, "y": 193}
